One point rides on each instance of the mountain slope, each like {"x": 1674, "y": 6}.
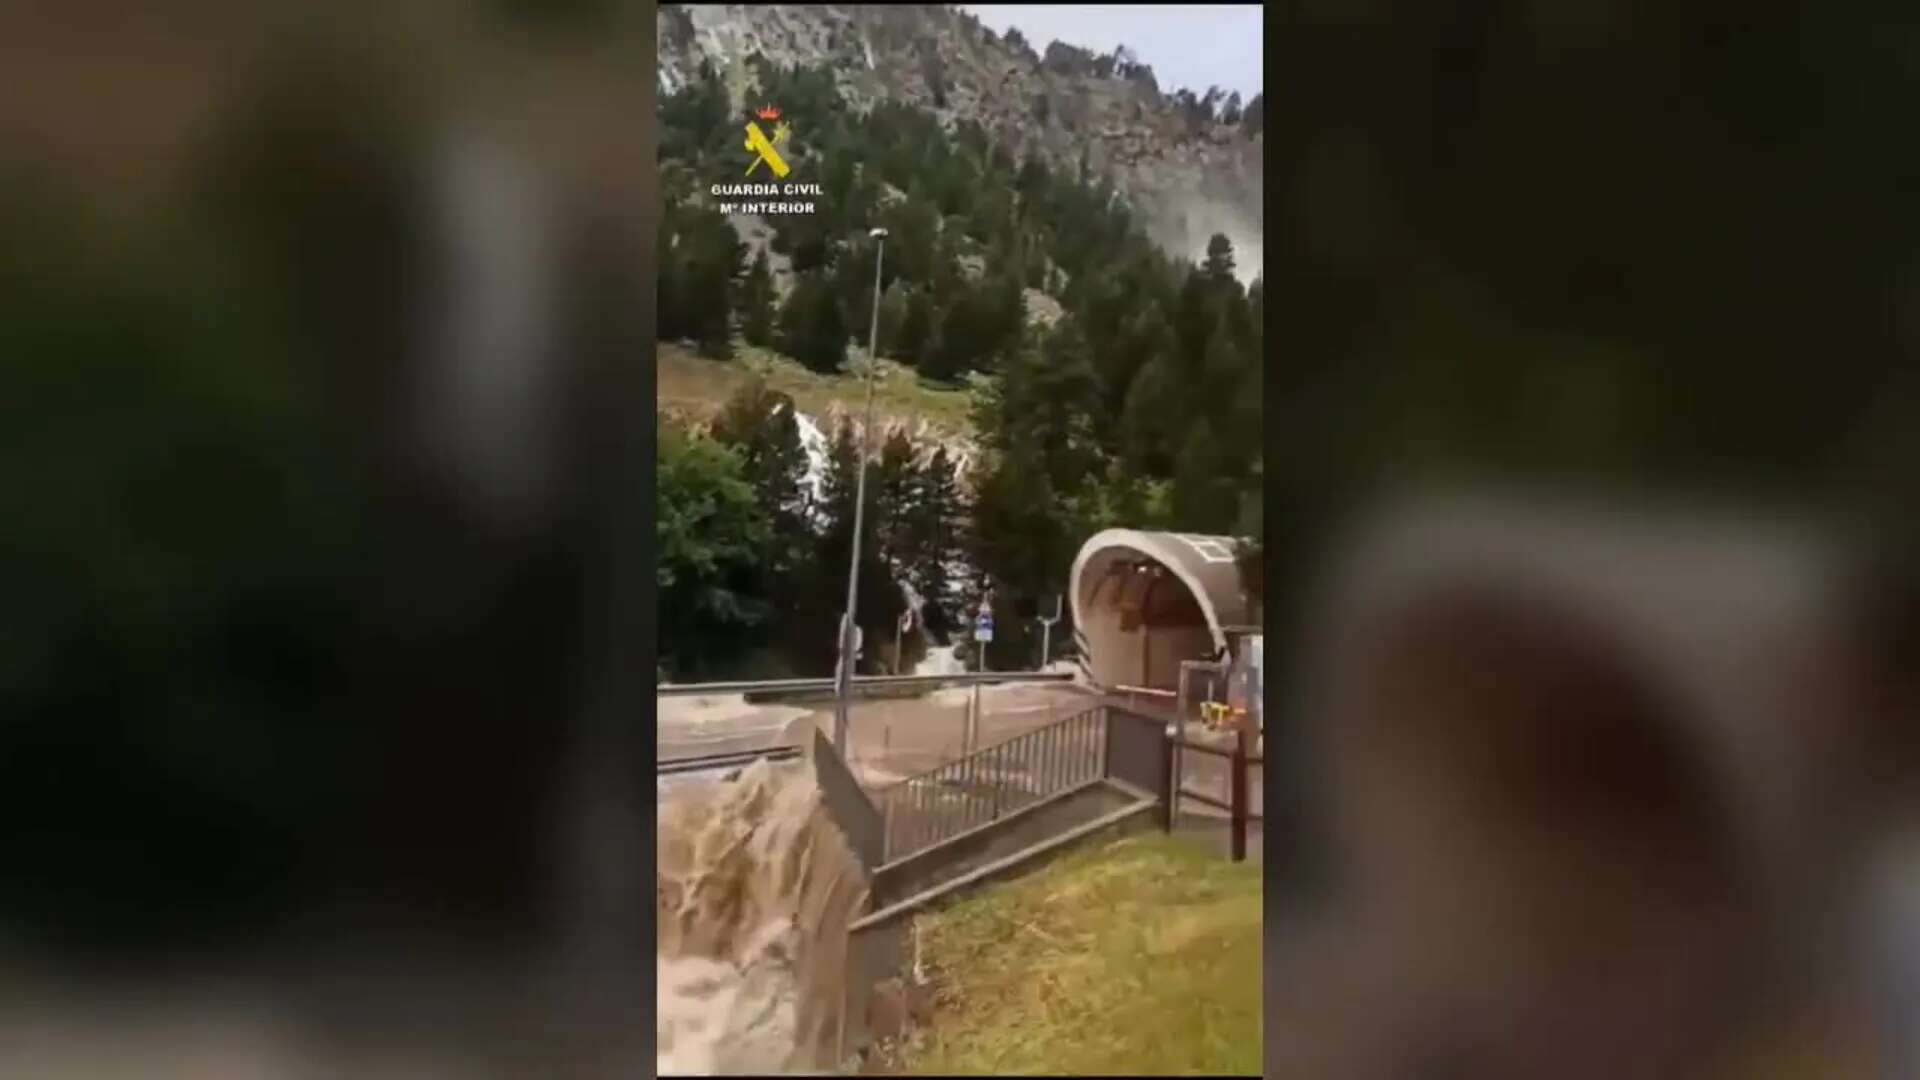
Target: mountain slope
{"x": 1186, "y": 175}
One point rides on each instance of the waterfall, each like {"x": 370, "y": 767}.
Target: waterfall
{"x": 814, "y": 442}
{"x": 943, "y": 660}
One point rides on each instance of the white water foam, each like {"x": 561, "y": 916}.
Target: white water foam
{"x": 814, "y": 442}
{"x": 755, "y": 891}
{"x": 944, "y": 660}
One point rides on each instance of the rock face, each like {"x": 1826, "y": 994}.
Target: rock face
{"x": 758, "y": 236}
{"x": 1185, "y": 176}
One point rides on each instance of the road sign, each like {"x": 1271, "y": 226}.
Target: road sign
{"x": 983, "y": 627}
{"x": 859, "y": 636}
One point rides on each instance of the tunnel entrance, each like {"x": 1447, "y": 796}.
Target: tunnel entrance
{"x": 1145, "y": 601}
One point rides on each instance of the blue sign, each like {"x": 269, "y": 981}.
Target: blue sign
{"x": 983, "y": 628}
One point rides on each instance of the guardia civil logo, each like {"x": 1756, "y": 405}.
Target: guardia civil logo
{"x": 769, "y": 150}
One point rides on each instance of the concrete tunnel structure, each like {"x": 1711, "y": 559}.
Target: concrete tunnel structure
{"x": 1144, "y": 601}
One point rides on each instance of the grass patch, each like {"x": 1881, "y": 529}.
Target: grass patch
{"x": 693, "y": 386}
{"x": 1140, "y": 956}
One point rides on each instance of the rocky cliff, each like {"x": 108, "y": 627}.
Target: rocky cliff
{"x": 1186, "y": 175}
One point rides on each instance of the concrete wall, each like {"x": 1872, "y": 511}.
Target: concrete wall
{"x": 1167, "y": 646}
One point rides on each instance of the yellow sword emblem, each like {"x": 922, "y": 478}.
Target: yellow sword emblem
{"x": 764, "y": 150}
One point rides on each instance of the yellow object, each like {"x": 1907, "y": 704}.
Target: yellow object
{"x": 764, "y": 150}
{"x": 1219, "y": 715}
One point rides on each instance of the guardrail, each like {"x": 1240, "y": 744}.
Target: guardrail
{"x": 705, "y": 762}
{"x": 971, "y": 678}
{"x": 1146, "y": 699}
{"x": 992, "y": 782}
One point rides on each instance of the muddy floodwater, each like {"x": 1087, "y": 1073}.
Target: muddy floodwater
{"x": 756, "y": 889}
{"x": 892, "y": 737}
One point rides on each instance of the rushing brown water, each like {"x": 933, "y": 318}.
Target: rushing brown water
{"x": 757, "y": 886}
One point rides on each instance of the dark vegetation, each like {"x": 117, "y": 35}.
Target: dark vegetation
{"x": 1140, "y": 406}
{"x": 752, "y": 565}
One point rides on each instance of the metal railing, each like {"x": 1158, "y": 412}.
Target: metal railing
{"x": 763, "y": 686}
{"x": 737, "y": 759}
{"x": 993, "y": 782}
{"x": 1241, "y": 760}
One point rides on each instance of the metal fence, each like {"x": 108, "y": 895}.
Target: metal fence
{"x": 1146, "y": 699}
{"x": 898, "y": 728}
{"x": 993, "y": 782}
{"x": 771, "y": 686}
{"x": 1241, "y": 764}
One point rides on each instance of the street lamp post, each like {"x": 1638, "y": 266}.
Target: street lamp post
{"x": 1046, "y": 633}
{"x": 844, "y": 677}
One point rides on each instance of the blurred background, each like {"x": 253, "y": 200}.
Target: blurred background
{"x": 324, "y": 473}
{"x": 1598, "y": 417}
{"x": 325, "y": 481}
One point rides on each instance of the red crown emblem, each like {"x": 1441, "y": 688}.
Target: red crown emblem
{"x": 768, "y": 112}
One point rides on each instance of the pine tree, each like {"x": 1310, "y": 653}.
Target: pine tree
{"x": 879, "y": 601}
{"x": 668, "y": 292}
{"x": 955, "y": 340}
{"x": 1219, "y": 264}
{"x": 853, "y": 281}
{"x": 1147, "y": 422}
{"x": 1251, "y": 397}
{"x": 1139, "y": 336}
{"x": 713, "y": 263}
{"x": 760, "y": 423}
{"x": 1220, "y": 374}
{"x": 756, "y": 303}
{"x": 1204, "y": 497}
{"x": 935, "y": 518}
{"x": 1043, "y": 405}
{"x": 804, "y": 240}
{"x": 1007, "y": 315}
{"x": 1251, "y": 524}
{"x": 811, "y": 330}
{"x": 932, "y": 356}
{"x": 992, "y": 214}
{"x": 838, "y": 485}
{"x": 913, "y": 228}
{"x": 895, "y": 480}
{"x": 1193, "y": 319}
{"x": 979, "y": 325}
{"x": 915, "y": 325}
{"x": 893, "y": 316}
{"x": 1019, "y": 541}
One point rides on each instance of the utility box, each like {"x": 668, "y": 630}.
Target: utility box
{"x": 1245, "y": 684}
